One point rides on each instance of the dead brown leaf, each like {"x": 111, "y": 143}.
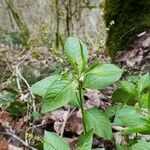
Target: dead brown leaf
{"x": 20, "y": 123}
{"x": 58, "y": 126}
{"x": 93, "y": 99}
{"x": 5, "y": 119}
{"x": 58, "y": 117}
{"x": 73, "y": 142}
{"x": 3, "y": 143}
{"x": 130, "y": 58}
{"x": 12, "y": 147}
{"x": 74, "y": 124}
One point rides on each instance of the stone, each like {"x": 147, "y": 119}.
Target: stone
{"x": 146, "y": 43}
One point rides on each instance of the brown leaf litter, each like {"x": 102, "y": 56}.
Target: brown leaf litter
{"x": 138, "y": 58}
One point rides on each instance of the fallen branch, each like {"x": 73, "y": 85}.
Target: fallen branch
{"x": 19, "y": 139}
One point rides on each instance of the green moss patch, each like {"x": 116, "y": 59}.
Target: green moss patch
{"x": 130, "y": 17}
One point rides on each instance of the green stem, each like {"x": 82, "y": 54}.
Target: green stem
{"x": 81, "y": 104}
{"x": 149, "y": 104}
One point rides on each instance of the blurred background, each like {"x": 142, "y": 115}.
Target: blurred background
{"x": 110, "y": 28}
{"x": 50, "y": 21}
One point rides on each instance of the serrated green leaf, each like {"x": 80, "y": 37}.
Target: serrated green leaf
{"x": 77, "y": 54}
{"x": 128, "y": 116}
{"x": 141, "y": 145}
{"x": 41, "y": 87}
{"x": 53, "y": 142}
{"x": 122, "y": 96}
{"x": 129, "y": 87}
{"x": 121, "y": 147}
{"x": 102, "y": 76}
{"x": 145, "y": 100}
{"x": 8, "y": 97}
{"x": 113, "y": 110}
{"x": 97, "y": 120}
{"x": 75, "y": 101}
{"x": 58, "y": 95}
{"x": 143, "y": 127}
{"x": 85, "y": 141}
{"x": 137, "y": 129}
{"x": 143, "y": 82}
{"x": 17, "y": 108}
{"x": 133, "y": 78}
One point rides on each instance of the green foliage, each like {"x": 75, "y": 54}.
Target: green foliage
{"x": 16, "y": 108}
{"x": 2, "y": 38}
{"x": 45, "y": 36}
{"x": 16, "y": 38}
{"x": 77, "y": 54}
{"x": 142, "y": 127}
{"x": 141, "y": 145}
{"x": 53, "y": 142}
{"x": 102, "y": 76}
{"x": 134, "y": 90}
{"x": 41, "y": 87}
{"x": 59, "y": 94}
{"x": 111, "y": 112}
{"x": 143, "y": 83}
{"x": 130, "y": 17}
{"x": 75, "y": 101}
{"x": 58, "y": 91}
{"x": 128, "y": 116}
{"x": 133, "y": 119}
{"x": 8, "y": 96}
{"x": 9, "y": 100}
{"x": 97, "y": 120}
{"x": 85, "y": 141}
{"x": 121, "y": 147}
{"x": 12, "y": 38}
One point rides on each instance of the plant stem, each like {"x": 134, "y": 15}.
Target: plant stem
{"x": 81, "y": 104}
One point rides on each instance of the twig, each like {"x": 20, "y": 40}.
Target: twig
{"x": 19, "y": 139}
{"x": 66, "y": 116}
{"x": 18, "y": 74}
{"x": 8, "y": 65}
{"x": 127, "y": 32}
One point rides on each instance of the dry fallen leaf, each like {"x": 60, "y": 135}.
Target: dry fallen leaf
{"x": 3, "y": 143}
{"x": 73, "y": 142}
{"x": 74, "y": 124}
{"x": 12, "y": 147}
{"x": 119, "y": 138}
{"x": 58, "y": 115}
{"x": 130, "y": 58}
{"x": 20, "y": 123}
{"x": 5, "y": 119}
{"x": 93, "y": 99}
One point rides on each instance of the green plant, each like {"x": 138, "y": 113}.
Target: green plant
{"x": 59, "y": 90}
{"x": 8, "y": 96}
{"x": 141, "y": 145}
{"x": 134, "y": 90}
{"x": 134, "y": 93}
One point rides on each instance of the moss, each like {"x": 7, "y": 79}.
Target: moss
{"x": 130, "y": 17}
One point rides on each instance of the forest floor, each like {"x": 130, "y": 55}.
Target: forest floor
{"x": 20, "y": 127}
